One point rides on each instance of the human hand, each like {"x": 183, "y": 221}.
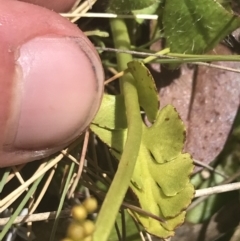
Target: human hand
{"x": 51, "y": 82}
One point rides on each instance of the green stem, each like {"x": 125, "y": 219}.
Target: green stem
{"x": 4, "y": 179}
{"x": 207, "y": 57}
{"x": 120, "y": 183}
{"x": 178, "y": 58}
{"x": 192, "y": 60}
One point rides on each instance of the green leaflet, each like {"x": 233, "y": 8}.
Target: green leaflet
{"x": 161, "y": 175}
{"x": 196, "y": 26}
{"x": 148, "y": 99}
{"x": 115, "y": 118}
{"x": 148, "y": 10}
{"x": 154, "y": 227}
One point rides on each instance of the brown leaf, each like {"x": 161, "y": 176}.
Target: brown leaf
{"x": 207, "y": 100}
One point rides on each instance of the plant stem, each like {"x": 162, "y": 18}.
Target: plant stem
{"x": 217, "y": 189}
{"x": 120, "y": 183}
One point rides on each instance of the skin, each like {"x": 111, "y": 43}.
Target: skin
{"x": 55, "y": 5}
{"x": 38, "y": 114}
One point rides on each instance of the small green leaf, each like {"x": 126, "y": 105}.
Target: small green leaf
{"x": 163, "y": 188}
{"x": 112, "y": 113}
{"x": 161, "y": 175}
{"x": 147, "y": 92}
{"x": 158, "y": 229}
{"x": 148, "y": 10}
{"x": 113, "y": 138}
{"x": 179, "y": 165}
{"x": 164, "y": 129}
{"x": 196, "y": 26}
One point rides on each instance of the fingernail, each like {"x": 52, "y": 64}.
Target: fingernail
{"x": 61, "y": 87}
{"x": 58, "y": 6}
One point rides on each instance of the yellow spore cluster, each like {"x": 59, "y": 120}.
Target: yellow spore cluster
{"x": 81, "y": 229}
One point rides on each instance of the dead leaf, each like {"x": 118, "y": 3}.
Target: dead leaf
{"x": 207, "y": 100}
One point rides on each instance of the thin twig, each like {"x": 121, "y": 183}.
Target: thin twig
{"x": 118, "y": 231}
{"x": 112, "y": 70}
{"x": 116, "y": 76}
{"x": 133, "y": 52}
{"x": 149, "y": 237}
{"x": 202, "y": 164}
{"x": 138, "y": 228}
{"x": 80, "y": 10}
{"x": 203, "y": 198}
{"x": 12, "y": 175}
{"x": 94, "y": 153}
{"x": 109, "y": 160}
{"x": 110, "y": 15}
{"x": 51, "y": 215}
{"x": 10, "y": 201}
{"x": 18, "y": 210}
{"x": 81, "y": 164}
{"x": 18, "y": 176}
{"x": 157, "y": 55}
{"x": 217, "y": 189}
{"x": 43, "y": 191}
{"x": 144, "y": 54}
{"x": 36, "y": 217}
{"x": 143, "y": 212}
{"x": 32, "y": 179}
{"x": 69, "y": 156}
{"x": 123, "y": 220}
{"x": 7, "y": 201}
{"x": 41, "y": 170}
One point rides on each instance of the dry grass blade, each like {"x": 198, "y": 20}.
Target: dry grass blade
{"x": 80, "y": 10}
{"x": 81, "y": 163}
{"x": 31, "y": 180}
{"x": 203, "y": 198}
{"x": 36, "y": 217}
{"x": 111, "y": 15}
{"x": 18, "y": 175}
{"x": 43, "y": 191}
{"x": 202, "y": 164}
{"x": 116, "y": 76}
{"x": 12, "y": 175}
{"x": 10, "y": 200}
{"x": 70, "y": 157}
{"x": 218, "y": 189}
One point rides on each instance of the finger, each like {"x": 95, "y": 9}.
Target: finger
{"x": 51, "y": 82}
{"x": 56, "y": 5}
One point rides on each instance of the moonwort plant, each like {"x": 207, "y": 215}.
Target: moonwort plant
{"x": 116, "y": 135}
{"x": 144, "y": 153}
